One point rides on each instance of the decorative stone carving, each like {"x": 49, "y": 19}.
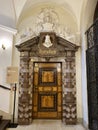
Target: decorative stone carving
{"x": 28, "y": 52}
{"x": 47, "y": 43}
{"x": 69, "y": 89}
{"x": 69, "y": 98}
{"x": 47, "y": 20}
{"x": 24, "y": 110}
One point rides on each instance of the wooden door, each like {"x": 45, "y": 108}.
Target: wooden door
{"x": 47, "y": 91}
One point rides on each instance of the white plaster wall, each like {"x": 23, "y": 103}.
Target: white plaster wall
{"x": 84, "y": 82}
{"x": 78, "y": 85}
{"x": 6, "y": 38}
{"x": 87, "y": 14}
{"x": 30, "y": 24}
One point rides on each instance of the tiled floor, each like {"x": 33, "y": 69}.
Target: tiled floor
{"x": 48, "y": 125}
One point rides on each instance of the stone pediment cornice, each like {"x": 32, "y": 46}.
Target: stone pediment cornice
{"x": 67, "y": 44}
{"x": 27, "y": 44}
{"x": 38, "y": 45}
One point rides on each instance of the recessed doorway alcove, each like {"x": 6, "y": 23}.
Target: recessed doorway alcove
{"x": 47, "y": 68}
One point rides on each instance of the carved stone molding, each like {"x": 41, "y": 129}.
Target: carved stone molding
{"x": 47, "y": 20}
{"x": 29, "y": 53}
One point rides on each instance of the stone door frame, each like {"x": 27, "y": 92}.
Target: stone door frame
{"x": 28, "y": 55}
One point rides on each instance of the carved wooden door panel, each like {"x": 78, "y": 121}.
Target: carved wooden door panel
{"x": 47, "y": 91}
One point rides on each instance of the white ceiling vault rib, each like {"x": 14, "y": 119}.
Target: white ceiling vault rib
{"x": 14, "y": 11}
{"x": 70, "y": 6}
{"x": 19, "y": 5}
{"x": 73, "y": 7}
{"x": 7, "y": 16}
{"x": 11, "y": 10}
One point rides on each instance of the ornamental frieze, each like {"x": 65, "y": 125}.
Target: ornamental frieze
{"x": 47, "y": 44}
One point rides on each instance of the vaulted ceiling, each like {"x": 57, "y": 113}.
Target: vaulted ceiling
{"x": 12, "y": 10}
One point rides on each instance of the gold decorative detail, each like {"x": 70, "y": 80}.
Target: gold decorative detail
{"x": 47, "y": 76}
{"x": 47, "y": 101}
{"x": 35, "y": 108}
{"x": 47, "y": 52}
{"x": 36, "y": 77}
{"x": 54, "y": 88}
{"x": 47, "y": 114}
{"x": 40, "y": 88}
{"x": 47, "y": 88}
{"x": 36, "y": 69}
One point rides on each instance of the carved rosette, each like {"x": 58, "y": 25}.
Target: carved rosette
{"x": 69, "y": 89}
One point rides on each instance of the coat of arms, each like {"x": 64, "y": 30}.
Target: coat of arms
{"x": 47, "y": 43}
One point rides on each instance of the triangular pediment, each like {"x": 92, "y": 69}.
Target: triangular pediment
{"x": 47, "y": 44}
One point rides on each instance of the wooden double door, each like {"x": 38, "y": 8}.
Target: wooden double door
{"x": 47, "y": 91}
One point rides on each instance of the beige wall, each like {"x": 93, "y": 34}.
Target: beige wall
{"x": 64, "y": 20}
{"x": 6, "y": 39}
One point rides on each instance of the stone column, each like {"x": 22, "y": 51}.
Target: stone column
{"x": 69, "y": 89}
{"x": 25, "y": 96}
